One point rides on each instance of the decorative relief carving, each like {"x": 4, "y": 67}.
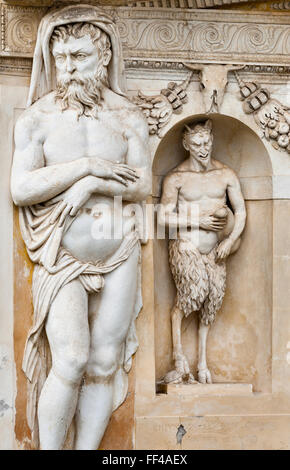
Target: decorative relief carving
{"x": 213, "y": 82}
{"x": 271, "y": 115}
{"x": 192, "y": 38}
{"x": 15, "y": 65}
{"x": 20, "y": 28}
{"x": 158, "y": 109}
{"x": 161, "y": 34}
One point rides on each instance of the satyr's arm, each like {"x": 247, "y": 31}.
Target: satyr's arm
{"x": 238, "y": 205}
{"x": 138, "y": 158}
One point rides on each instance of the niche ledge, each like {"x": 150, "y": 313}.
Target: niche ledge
{"x": 217, "y": 389}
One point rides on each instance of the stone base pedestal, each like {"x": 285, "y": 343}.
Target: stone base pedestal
{"x": 218, "y": 389}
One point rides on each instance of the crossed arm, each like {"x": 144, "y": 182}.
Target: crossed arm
{"x": 73, "y": 182}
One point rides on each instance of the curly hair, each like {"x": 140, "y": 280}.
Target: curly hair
{"x": 79, "y": 30}
{"x": 197, "y": 128}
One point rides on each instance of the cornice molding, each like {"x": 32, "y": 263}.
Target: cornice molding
{"x": 164, "y": 38}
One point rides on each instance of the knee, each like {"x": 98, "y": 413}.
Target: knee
{"x": 104, "y": 361}
{"x": 71, "y": 366}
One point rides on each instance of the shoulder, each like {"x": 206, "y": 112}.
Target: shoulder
{"x": 172, "y": 178}
{"x": 29, "y": 123}
{"x": 226, "y": 170}
{"x": 181, "y": 168}
{"x": 129, "y": 114}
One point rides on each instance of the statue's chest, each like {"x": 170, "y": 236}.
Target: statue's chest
{"x": 197, "y": 186}
{"x": 69, "y": 139}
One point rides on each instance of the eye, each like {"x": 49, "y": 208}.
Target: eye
{"x": 59, "y": 58}
{"x": 81, "y": 56}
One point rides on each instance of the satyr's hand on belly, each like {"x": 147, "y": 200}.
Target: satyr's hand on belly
{"x": 212, "y": 223}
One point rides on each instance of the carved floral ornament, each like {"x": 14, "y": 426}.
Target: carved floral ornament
{"x": 269, "y": 114}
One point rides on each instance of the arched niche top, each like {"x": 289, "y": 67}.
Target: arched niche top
{"x": 235, "y": 144}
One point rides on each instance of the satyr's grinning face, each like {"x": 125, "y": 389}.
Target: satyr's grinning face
{"x": 199, "y": 145}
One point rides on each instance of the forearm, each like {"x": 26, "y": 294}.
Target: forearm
{"x": 34, "y": 187}
{"x": 240, "y": 220}
{"x": 134, "y": 191}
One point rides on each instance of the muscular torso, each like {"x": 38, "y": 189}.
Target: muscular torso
{"x": 66, "y": 139}
{"x": 204, "y": 193}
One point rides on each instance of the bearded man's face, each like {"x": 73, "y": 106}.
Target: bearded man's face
{"x": 81, "y": 73}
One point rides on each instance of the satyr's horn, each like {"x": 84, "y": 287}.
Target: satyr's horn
{"x": 208, "y": 125}
{"x": 187, "y": 128}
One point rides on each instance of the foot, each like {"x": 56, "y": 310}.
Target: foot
{"x": 191, "y": 379}
{"x": 173, "y": 377}
{"x": 204, "y": 376}
{"x": 181, "y": 372}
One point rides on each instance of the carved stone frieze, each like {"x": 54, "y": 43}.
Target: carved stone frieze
{"x": 20, "y": 28}
{"x": 160, "y": 35}
{"x": 219, "y": 40}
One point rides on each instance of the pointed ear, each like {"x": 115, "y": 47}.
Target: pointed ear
{"x": 208, "y": 125}
{"x": 184, "y": 143}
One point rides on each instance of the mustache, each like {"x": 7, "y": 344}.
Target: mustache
{"x": 68, "y": 79}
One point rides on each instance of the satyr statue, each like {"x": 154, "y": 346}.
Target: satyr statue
{"x": 194, "y": 199}
{"x": 79, "y": 143}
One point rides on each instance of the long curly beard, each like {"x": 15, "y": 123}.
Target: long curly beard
{"x": 84, "y": 94}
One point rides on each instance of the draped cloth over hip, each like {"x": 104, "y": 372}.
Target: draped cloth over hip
{"x": 54, "y": 268}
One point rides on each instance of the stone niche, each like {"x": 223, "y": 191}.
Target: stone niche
{"x": 239, "y": 348}
{"x": 250, "y": 341}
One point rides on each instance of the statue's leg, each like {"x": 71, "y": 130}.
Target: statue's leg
{"x": 68, "y": 335}
{"x": 111, "y": 313}
{"x": 181, "y": 370}
{"x": 217, "y": 283}
{"x": 204, "y": 375}
{"x": 180, "y": 361}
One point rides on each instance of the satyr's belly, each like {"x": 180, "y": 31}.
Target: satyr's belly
{"x": 205, "y": 240}
{"x": 98, "y": 230}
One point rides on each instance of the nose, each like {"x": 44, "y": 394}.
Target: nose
{"x": 70, "y": 66}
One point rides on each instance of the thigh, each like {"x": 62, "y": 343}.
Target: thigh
{"x": 112, "y": 310}
{"x": 67, "y": 323}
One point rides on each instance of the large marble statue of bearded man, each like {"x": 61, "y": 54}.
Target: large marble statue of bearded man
{"x": 79, "y": 143}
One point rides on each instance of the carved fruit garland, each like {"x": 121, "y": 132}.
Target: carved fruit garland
{"x": 158, "y": 109}
{"x": 269, "y": 114}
